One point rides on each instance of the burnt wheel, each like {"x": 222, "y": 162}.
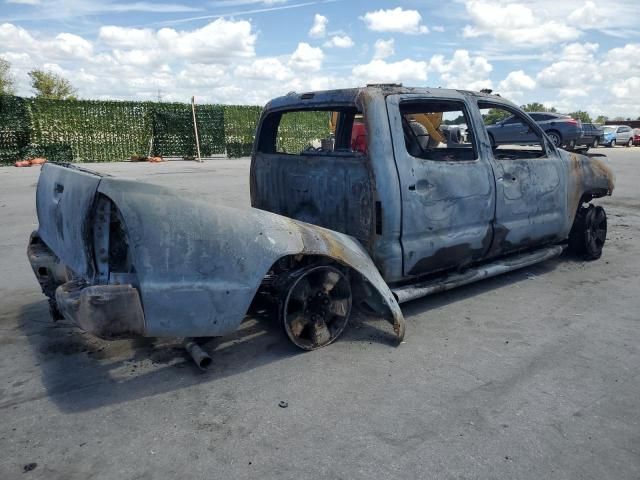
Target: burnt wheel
{"x": 589, "y": 232}
{"x": 316, "y": 307}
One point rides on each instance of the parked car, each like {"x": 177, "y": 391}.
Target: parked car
{"x": 636, "y": 136}
{"x": 592, "y": 136}
{"x": 562, "y": 130}
{"x": 332, "y": 228}
{"x": 618, "y": 135}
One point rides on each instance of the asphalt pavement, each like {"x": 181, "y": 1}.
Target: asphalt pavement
{"x": 531, "y": 375}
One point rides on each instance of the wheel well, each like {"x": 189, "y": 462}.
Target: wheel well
{"x": 278, "y": 278}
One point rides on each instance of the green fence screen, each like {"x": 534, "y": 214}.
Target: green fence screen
{"x": 105, "y": 131}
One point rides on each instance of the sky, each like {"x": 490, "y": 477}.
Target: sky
{"x": 571, "y": 54}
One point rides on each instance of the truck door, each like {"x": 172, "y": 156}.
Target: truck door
{"x": 531, "y": 195}
{"x": 447, "y": 188}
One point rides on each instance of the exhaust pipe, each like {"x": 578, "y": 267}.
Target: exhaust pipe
{"x": 202, "y": 358}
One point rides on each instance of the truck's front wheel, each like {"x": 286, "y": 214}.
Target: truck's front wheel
{"x": 589, "y": 232}
{"x": 316, "y": 306}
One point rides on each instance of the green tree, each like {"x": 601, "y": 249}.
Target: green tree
{"x": 456, "y": 121}
{"x": 581, "y": 115}
{"x": 494, "y": 115}
{"x": 6, "y": 79}
{"x": 51, "y": 85}
{"x": 537, "y": 107}
{"x": 602, "y": 119}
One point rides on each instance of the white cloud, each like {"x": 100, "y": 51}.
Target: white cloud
{"x": 264, "y": 69}
{"x": 380, "y": 71}
{"x": 319, "y": 27}
{"x": 628, "y": 88}
{"x": 218, "y": 62}
{"x": 395, "y": 20}
{"x": 515, "y": 84}
{"x": 24, "y": 2}
{"x": 576, "y": 72}
{"x": 578, "y": 51}
{"x": 339, "y": 41}
{"x": 63, "y": 45}
{"x": 73, "y": 45}
{"x": 124, "y": 37}
{"x": 515, "y": 25}
{"x": 139, "y": 58}
{"x": 462, "y": 71}
{"x": 383, "y": 48}
{"x": 517, "y": 80}
{"x": 622, "y": 62}
{"x": 219, "y": 40}
{"x": 306, "y": 58}
{"x": 586, "y": 16}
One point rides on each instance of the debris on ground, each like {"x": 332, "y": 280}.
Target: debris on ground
{"x": 30, "y": 162}
{"x": 144, "y": 158}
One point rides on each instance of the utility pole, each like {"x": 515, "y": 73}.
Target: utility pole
{"x": 195, "y": 127}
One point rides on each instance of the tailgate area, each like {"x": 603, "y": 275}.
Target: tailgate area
{"x": 64, "y": 200}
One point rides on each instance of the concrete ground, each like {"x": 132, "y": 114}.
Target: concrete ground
{"x": 532, "y": 375}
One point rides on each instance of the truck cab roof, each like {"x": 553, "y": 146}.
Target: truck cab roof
{"x": 350, "y": 96}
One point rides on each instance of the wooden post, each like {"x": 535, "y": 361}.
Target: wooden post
{"x": 195, "y": 126}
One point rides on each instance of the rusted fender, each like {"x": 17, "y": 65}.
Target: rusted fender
{"x": 589, "y": 177}
{"x": 200, "y": 265}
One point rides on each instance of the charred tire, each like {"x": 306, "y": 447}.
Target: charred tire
{"x": 589, "y": 232}
{"x": 53, "y": 310}
{"x": 555, "y": 138}
{"x": 316, "y": 306}
{"x": 595, "y": 143}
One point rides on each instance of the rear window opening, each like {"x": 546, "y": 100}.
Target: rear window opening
{"x": 437, "y": 130}
{"x": 332, "y": 131}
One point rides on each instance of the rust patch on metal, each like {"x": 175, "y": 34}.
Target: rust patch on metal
{"x": 601, "y": 169}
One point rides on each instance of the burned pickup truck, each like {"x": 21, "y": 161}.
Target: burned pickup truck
{"x": 361, "y": 199}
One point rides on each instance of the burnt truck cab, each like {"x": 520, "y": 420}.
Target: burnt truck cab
{"x": 423, "y": 200}
{"x": 361, "y": 199}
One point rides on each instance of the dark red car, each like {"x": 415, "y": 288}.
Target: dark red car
{"x": 636, "y": 136}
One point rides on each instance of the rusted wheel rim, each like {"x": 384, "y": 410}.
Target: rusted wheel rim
{"x": 317, "y": 307}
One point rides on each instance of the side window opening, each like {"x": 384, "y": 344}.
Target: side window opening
{"x": 511, "y": 134}
{"x": 437, "y": 130}
{"x": 334, "y": 132}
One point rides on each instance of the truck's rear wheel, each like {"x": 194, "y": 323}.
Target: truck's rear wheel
{"x": 316, "y": 307}
{"x": 589, "y": 232}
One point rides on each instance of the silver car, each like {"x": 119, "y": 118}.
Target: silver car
{"x": 618, "y": 135}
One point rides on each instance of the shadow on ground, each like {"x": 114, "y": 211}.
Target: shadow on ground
{"x": 80, "y": 372}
